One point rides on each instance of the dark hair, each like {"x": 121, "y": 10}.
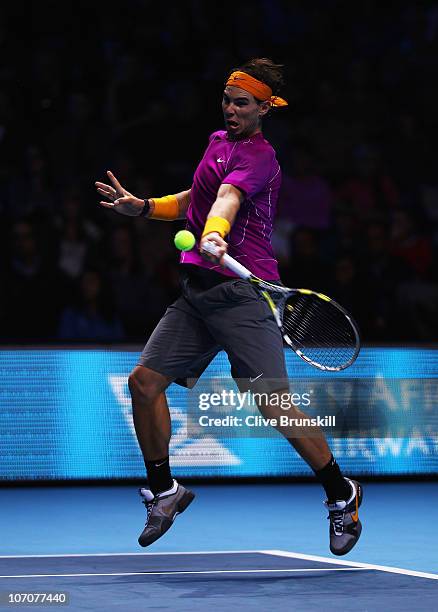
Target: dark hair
{"x": 264, "y": 69}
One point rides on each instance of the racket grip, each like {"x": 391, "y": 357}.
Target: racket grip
{"x": 228, "y": 261}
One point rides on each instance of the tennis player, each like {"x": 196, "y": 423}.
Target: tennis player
{"x": 231, "y": 202}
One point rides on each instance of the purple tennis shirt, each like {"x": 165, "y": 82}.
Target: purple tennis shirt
{"x": 251, "y": 166}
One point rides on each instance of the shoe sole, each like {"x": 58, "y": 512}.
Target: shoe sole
{"x": 360, "y": 492}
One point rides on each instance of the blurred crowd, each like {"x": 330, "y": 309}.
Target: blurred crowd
{"x": 136, "y": 88}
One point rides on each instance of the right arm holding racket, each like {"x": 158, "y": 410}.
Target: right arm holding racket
{"x": 219, "y": 221}
{"x": 317, "y": 328}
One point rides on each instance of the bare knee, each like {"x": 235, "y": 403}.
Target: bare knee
{"x": 146, "y": 385}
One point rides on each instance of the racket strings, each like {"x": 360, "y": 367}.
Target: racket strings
{"x": 320, "y": 330}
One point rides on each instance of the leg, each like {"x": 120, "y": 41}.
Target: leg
{"x": 309, "y": 442}
{"x": 166, "y": 498}
{"x": 180, "y": 347}
{"x": 315, "y": 451}
{"x": 344, "y": 495}
{"x": 253, "y": 342}
{"x": 150, "y": 412}
{"x": 254, "y": 345}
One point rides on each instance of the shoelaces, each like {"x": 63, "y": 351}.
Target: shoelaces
{"x": 337, "y": 520}
{"x": 149, "y": 507}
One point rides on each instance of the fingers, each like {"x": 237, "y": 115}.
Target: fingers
{"x": 114, "y": 181}
{"x": 116, "y": 203}
{"x": 219, "y": 243}
{"x": 216, "y": 239}
{"x": 111, "y": 194}
{"x": 117, "y": 196}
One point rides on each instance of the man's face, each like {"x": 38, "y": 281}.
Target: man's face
{"x": 242, "y": 112}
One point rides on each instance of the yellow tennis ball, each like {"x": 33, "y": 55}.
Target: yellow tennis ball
{"x": 184, "y": 240}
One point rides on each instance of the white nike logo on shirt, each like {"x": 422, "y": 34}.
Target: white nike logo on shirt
{"x": 253, "y": 379}
{"x": 220, "y": 160}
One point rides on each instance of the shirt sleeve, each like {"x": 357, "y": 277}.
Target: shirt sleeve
{"x": 215, "y": 135}
{"x": 250, "y": 171}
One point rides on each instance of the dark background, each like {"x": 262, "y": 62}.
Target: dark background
{"x": 136, "y": 86}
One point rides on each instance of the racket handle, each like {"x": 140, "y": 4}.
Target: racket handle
{"x": 228, "y": 261}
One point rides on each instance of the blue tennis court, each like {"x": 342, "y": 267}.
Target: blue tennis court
{"x": 252, "y": 580}
{"x": 251, "y": 547}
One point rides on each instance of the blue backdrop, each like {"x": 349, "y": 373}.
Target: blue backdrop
{"x": 66, "y": 414}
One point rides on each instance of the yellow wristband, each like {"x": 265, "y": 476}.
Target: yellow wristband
{"x": 217, "y": 224}
{"x": 165, "y": 209}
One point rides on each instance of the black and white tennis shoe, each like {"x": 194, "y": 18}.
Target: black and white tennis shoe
{"x": 345, "y": 526}
{"x": 162, "y": 510}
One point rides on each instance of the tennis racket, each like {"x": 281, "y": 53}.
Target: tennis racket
{"x": 317, "y": 328}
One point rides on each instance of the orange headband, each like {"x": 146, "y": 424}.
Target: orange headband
{"x": 258, "y": 89}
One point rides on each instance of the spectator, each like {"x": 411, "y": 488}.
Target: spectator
{"x": 92, "y": 318}
{"x": 137, "y": 297}
{"x": 346, "y": 288}
{"x": 77, "y": 236}
{"x": 305, "y": 197}
{"x": 33, "y": 290}
{"x": 411, "y": 246}
{"x": 343, "y": 236}
{"x": 307, "y": 268}
{"x": 119, "y": 90}
{"x": 382, "y": 274}
{"x": 370, "y": 190}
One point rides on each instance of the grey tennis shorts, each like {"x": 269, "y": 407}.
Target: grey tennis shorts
{"x": 216, "y": 312}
